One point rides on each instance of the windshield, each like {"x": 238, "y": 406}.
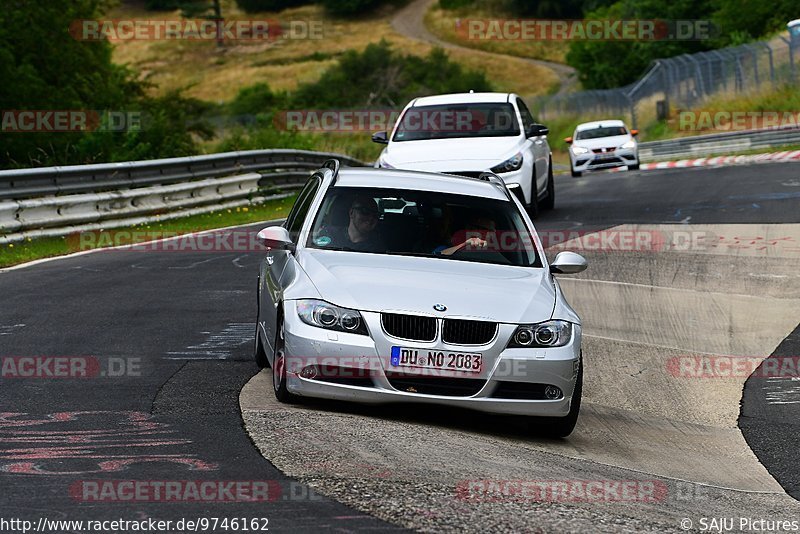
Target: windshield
{"x": 603, "y": 131}
{"x": 427, "y": 224}
{"x": 457, "y": 120}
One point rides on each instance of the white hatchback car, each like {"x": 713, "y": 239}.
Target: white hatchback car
{"x": 602, "y": 145}
{"x": 471, "y": 133}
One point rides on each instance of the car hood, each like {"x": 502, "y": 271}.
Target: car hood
{"x": 462, "y": 154}
{"x": 379, "y": 282}
{"x": 603, "y": 142}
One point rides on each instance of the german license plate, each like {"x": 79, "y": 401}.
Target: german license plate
{"x": 466, "y": 362}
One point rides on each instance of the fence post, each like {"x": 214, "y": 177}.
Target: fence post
{"x": 791, "y": 56}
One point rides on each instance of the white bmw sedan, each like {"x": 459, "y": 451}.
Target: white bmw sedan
{"x": 602, "y": 145}
{"x": 471, "y": 133}
{"x": 400, "y": 286}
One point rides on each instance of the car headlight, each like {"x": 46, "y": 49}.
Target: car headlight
{"x": 511, "y": 164}
{"x": 629, "y": 144}
{"x": 578, "y": 150}
{"x": 324, "y": 315}
{"x": 541, "y": 335}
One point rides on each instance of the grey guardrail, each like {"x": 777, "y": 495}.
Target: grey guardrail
{"x": 720, "y": 143}
{"x": 57, "y": 201}
{"x": 278, "y": 166}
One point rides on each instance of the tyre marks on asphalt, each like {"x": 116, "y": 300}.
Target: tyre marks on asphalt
{"x": 220, "y": 345}
{"x": 90, "y": 442}
{"x": 770, "y": 412}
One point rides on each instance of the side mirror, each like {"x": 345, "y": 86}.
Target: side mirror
{"x": 535, "y": 130}
{"x": 276, "y": 237}
{"x": 380, "y": 138}
{"x": 634, "y": 132}
{"x": 568, "y": 140}
{"x": 568, "y": 263}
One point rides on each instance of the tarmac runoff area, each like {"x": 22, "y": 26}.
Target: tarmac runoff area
{"x": 670, "y": 337}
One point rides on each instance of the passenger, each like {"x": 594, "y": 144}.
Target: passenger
{"x": 482, "y": 224}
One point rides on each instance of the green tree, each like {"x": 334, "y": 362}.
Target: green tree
{"x": 43, "y": 67}
{"x": 380, "y": 76}
{"x": 613, "y": 63}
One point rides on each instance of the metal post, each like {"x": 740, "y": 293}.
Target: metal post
{"x": 791, "y": 56}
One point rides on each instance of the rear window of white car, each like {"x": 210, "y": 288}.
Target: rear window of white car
{"x": 603, "y": 131}
{"x": 457, "y": 120}
{"x": 421, "y": 223}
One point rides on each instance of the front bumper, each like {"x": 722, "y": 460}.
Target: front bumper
{"x": 621, "y": 157}
{"x": 369, "y": 376}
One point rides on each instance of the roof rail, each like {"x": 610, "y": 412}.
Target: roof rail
{"x": 496, "y": 181}
{"x": 332, "y": 164}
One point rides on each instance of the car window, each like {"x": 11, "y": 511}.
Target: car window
{"x": 603, "y": 131}
{"x": 294, "y": 223}
{"x": 525, "y": 113}
{"x": 420, "y": 223}
{"x": 449, "y": 121}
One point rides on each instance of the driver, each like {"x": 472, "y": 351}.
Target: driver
{"x": 362, "y": 231}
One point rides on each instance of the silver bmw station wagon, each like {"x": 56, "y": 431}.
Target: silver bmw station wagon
{"x": 401, "y": 286}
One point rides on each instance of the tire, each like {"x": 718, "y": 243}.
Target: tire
{"x": 533, "y": 207}
{"x": 279, "y": 369}
{"x": 561, "y": 427}
{"x": 633, "y": 167}
{"x": 258, "y": 352}
{"x": 550, "y": 201}
{"x": 259, "y": 355}
{"x": 575, "y": 174}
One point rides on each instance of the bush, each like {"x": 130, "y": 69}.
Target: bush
{"x": 379, "y": 76}
{"x": 254, "y": 99}
{"x": 256, "y": 6}
{"x": 350, "y": 7}
{"x": 162, "y": 5}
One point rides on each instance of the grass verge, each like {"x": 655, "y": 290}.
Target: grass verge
{"x": 46, "y": 247}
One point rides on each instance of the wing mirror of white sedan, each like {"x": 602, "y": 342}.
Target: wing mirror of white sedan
{"x": 276, "y": 237}
{"x": 568, "y": 263}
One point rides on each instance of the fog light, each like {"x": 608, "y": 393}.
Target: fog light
{"x": 309, "y": 372}
{"x": 552, "y": 393}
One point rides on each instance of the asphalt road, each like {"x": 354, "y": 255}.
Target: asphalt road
{"x": 181, "y": 325}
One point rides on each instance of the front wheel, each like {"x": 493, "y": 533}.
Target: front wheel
{"x": 533, "y": 207}
{"x": 279, "y": 366}
{"x": 575, "y": 174}
{"x": 258, "y": 348}
{"x": 633, "y": 167}
{"x": 561, "y": 427}
{"x": 258, "y": 352}
{"x": 550, "y": 201}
